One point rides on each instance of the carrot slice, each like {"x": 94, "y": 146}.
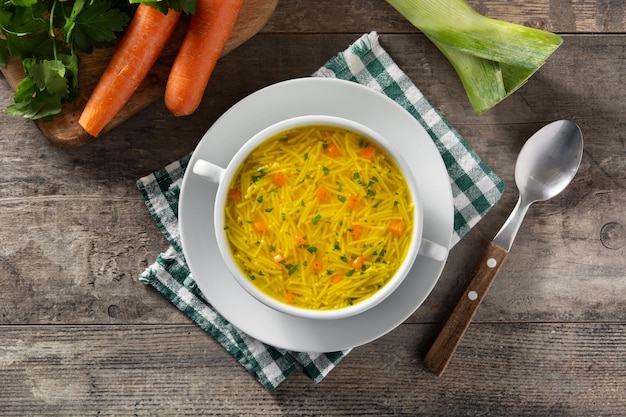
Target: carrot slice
{"x": 260, "y": 226}
{"x": 396, "y": 227}
{"x": 300, "y": 240}
{"x": 355, "y": 231}
{"x": 317, "y": 265}
{"x": 279, "y": 179}
{"x": 353, "y": 202}
{"x": 322, "y": 194}
{"x": 368, "y": 152}
{"x": 234, "y": 194}
{"x": 146, "y": 36}
{"x": 204, "y": 42}
{"x": 336, "y": 278}
{"x": 357, "y": 262}
{"x": 332, "y": 150}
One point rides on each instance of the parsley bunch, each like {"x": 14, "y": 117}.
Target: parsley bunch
{"x": 46, "y": 36}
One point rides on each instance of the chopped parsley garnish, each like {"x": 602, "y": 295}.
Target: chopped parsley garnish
{"x": 291, "y": 269}
{"x": 260, "y": 174}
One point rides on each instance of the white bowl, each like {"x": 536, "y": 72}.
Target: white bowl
{"x": 224, "y": 177}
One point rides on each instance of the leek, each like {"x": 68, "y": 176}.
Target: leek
{"x": 492, "y": 58}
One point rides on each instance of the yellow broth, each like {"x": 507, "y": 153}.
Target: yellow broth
{"x": 319, "y": 217}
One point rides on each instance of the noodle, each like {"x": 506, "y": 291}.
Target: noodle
{"x": 320, "y": 218}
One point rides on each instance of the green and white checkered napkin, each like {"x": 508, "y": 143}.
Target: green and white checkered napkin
{"x": 476, "y": 189}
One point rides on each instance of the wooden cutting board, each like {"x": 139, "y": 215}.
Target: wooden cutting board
{"x": 64, "y": 129}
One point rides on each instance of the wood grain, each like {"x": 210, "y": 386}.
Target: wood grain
{"x": 79, "y": 335}
{"x": 582, "y": 16}
{"x": 561, "y": 369}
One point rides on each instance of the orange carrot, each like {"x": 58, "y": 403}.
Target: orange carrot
{"x": 300, "y": 240}
{"x": 146, "y": 36}
{"x": 336, "y": 278}
{"x": 234, "y": 194}
{"x": 357, "y": 262}
{"x": 355, "y": 231}
{"x": 396, "y": 227}
{"x": 368, "y": 152}
{"x": 204, "y": 42}
{"x": 353, "y": 202}
{"x": 317, "y": 265}
{"x": 322, "y": 194}
{"x": 332, "y": 150}
{"x": 279, "y": 179}
{"x": 260, "y": 226}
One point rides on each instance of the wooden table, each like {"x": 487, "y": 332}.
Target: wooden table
{"x": 79, "y": 335}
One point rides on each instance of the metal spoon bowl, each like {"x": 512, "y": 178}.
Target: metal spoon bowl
{"x": 546, "y": 164}
{"x": 549, "y": 160}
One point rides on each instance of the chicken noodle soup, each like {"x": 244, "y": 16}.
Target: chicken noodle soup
{"x": 319, "y": 217}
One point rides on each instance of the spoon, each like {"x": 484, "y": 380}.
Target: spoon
{"x": 546, "y": 164}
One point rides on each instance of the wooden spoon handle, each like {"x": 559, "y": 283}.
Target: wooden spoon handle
{"x": 448, "y": 340}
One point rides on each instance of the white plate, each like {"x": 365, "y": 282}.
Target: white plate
{"x": 296, "y": 98}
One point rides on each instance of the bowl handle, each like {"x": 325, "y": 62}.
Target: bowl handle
{"x": 433, "y": 250}
{"x": 209, "y": 171}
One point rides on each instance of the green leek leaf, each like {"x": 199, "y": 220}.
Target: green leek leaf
{"x": 492, "y": 58}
